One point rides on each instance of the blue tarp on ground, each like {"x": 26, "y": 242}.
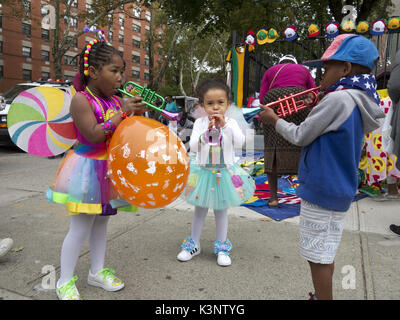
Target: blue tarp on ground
{"x": 283, "y": 211}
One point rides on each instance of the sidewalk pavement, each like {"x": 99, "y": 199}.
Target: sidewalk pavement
{"x": 142, "y": 248}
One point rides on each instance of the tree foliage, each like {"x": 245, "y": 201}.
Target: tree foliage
{"x": 219, "y": 18}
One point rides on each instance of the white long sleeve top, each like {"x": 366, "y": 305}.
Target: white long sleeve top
{"x": 232, "y": 139}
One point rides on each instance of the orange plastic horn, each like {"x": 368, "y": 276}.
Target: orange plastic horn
{"x": 288, "y": 105}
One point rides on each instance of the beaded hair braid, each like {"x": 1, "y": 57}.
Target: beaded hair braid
{"x": 97, "y": 53}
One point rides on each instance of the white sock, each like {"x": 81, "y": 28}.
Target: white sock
{"x": 98, "y": 243}
{"x": 199, "y": 218}
{"x": 79, "y": 228}
{"x": 221, "y": 224}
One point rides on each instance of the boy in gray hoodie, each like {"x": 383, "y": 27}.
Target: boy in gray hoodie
{"x": 331, "y": 139}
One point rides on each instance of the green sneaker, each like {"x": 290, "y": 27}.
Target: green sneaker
{"x": 105, "y": 279}
{"x": 69, "y": 291}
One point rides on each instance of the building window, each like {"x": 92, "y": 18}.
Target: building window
{"x": 26, "y": 29}
{"x": 121, "y": 53}
{"x": 26, "y": 74}
{"x": 69, "y": 61}
{"x": 135, "y": 58}
{"x": 110, "y": 35}
{"x": 26, "y": 7}
{"x": 73, "y": 21}
{"x": 46, "y": 34}
{"x": 135, "y": 74}
{"x": 45, "y": 75}
{"x": 110, "y": 19}
{"x": 43, "y": 10}
{"x": 26, "y": 51}
{"x": 136, "y": 12}
{"x": 1, "y": 21}
{"x": 74, "y": 3}
{"x": 121, "y": 38}
{"x": 121, "y": 22}
{"x": 146, "y": 61}
{"x": 148, "y": 15}
{"x": 1, "y": 47}
{"x": 89, "y": 8}
{"x": 45, "y": 55}
{"x": 1, "y": 72}
{"x": 135, "y": 43}
{"x": 136, "y": 28}
{"x": 146, "y": 76}
{"x": 73, "y": 42}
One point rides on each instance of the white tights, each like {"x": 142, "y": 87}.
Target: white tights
{"x": 221, "y": 223}
{"x": 81, "y": 226}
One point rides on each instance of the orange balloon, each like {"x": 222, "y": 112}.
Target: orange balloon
{"x": 148, "y": 164}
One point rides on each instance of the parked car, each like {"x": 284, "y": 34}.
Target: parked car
{"x": 8, "y": 97}
{"x": 185, "y": 103}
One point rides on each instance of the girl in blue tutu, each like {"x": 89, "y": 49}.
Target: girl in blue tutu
{"x": 215, "y": 180}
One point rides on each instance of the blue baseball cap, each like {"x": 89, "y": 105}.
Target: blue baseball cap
{"x": 350, "y": 48}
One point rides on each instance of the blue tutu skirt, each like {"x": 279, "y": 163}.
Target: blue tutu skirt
{"x": 218, "y": 189}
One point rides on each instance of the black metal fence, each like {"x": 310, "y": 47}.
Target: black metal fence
{"x": 265, "y": 56}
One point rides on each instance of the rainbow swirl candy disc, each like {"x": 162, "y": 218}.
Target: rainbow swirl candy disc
{"x": 71, "y": 91}
{"x": 39, "y": 121}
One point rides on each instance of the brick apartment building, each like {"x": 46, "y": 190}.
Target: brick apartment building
{"x": 25, "y": 47}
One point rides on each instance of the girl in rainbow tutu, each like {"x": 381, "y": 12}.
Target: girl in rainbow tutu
{"x": 215, "y": 180}
{"x": 81, "y": 182}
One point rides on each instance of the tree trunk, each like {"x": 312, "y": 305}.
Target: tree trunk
{"x": 181, "y": 78}
{"x": 191, "y": 69}
{"x": 202, "y": 63}
{"x": 163, "y": 68}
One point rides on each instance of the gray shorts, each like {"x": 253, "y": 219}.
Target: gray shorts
{"x": 320, "y": 232}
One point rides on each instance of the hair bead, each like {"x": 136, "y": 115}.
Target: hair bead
{"x": 101, "y": 37}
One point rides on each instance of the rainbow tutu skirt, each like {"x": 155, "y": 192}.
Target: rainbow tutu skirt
{"x": 82, "y": 184}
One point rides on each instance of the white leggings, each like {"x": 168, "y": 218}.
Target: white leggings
{"x": 81, "y": 226}
{"x": 221, "y": 223}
